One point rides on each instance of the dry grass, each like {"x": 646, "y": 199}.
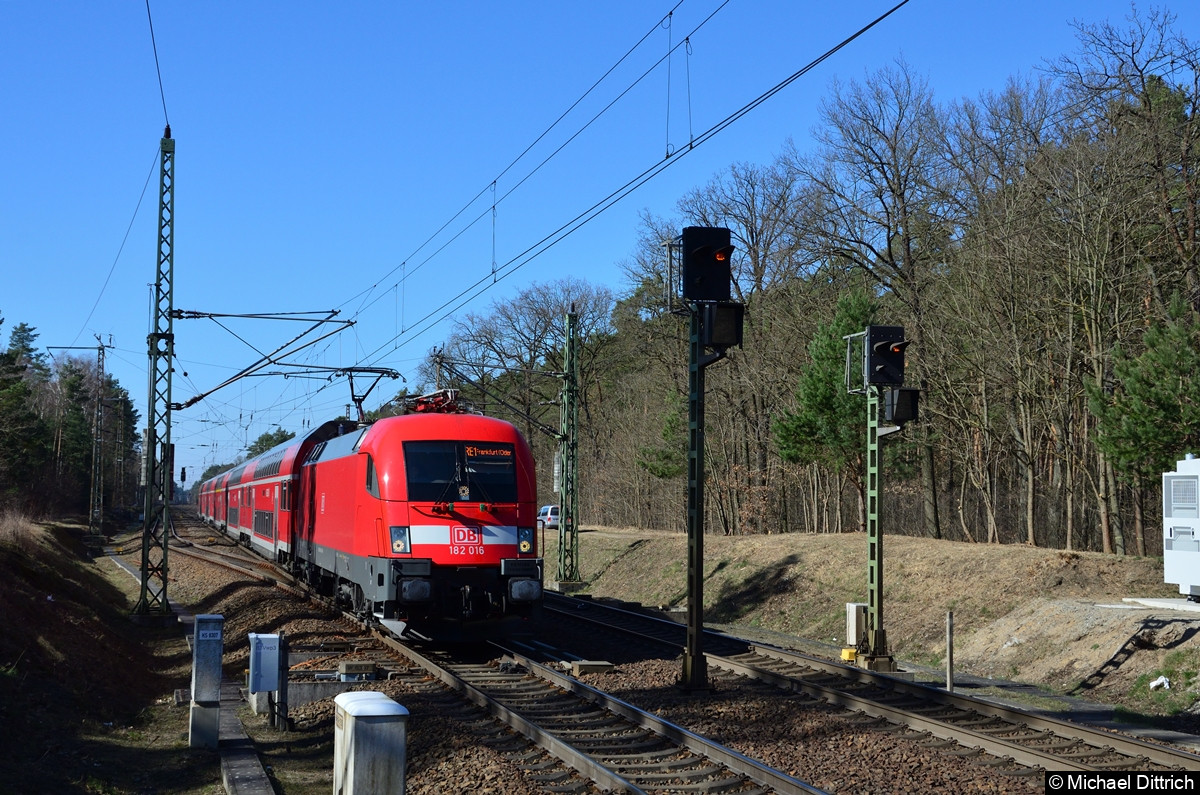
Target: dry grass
{"x": 17, "y": 531}
{"x": 1036, "y": 615}
{"x": 85, "y": 694}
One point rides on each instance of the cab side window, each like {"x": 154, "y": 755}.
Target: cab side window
{"x": 372, "y": 477}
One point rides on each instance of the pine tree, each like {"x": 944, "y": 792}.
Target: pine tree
{"x": 829, "y": 425}
{"x": 1151, "y": 414}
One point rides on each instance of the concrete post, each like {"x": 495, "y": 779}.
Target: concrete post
{"x": 207, "y": 650}
{"x": 369, "y": 744}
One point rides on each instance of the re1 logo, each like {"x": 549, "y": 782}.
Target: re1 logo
{"x": 465, "y": 535}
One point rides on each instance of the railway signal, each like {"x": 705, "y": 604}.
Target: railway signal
{"x": 706, "y": 263}
{"x": 884, "y": 355}
{"x": 715, "y": 326}
{"x": 900, "y": 404}
{"x": 882, "y": 379}
{"x": 721, "y": 324}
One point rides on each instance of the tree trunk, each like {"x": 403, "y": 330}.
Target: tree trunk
{"x": 1106, "y": 538}
{"x": 860, "y": 488}
{"x": 1070, "y": 542}
{"x": 1114, "y": 495}
{"x": 1139, "y": 520}
{"x": 1030, "y": 481}
{"x": 933, "y": 527}
{"x": 962, "y": 519}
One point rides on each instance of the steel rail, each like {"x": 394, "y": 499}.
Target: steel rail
{"x": 1098, "y": 740}
{"x": 1129, "y": 746}
{"x": 602, "y": 776}
{"x": 738, "y": 763}
{"x": 867, "y": 706}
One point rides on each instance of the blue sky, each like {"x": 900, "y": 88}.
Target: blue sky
{"x": 320, "y": 145}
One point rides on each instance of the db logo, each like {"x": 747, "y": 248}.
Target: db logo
{"x": 465, "y": 535}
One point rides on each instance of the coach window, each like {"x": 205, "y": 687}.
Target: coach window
{"x": 372, "y": 477}
{"x": 285, "y": 504}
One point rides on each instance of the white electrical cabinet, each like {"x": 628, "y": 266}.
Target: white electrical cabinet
{"x": 370, "y": 744}
{"x": 264, "y": 663}
{"x": 856, "y": 622}
{"x": 1181, "y": 527}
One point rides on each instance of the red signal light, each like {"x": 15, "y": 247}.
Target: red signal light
{"x": 883, "y": 355}
{"x": 706, "y": 256}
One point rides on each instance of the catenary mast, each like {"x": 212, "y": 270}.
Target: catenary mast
{"x": 156, "y": 523}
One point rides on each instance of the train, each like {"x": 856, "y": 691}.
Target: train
{"x": 423, "y": 523}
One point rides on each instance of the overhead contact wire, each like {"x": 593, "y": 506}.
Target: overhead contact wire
{"x": 547, "y": 159}
{"x": 157, "y": 68}
{"x": 548, "y": 241}
{"x": 120, "y": 249}
{"x": 553, "y": 238}
{"x": 509, "y": 167}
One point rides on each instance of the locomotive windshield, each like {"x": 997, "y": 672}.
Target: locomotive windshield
{"x": 462, "y": 471}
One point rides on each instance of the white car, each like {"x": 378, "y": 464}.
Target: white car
{"x": 548, "y": 517}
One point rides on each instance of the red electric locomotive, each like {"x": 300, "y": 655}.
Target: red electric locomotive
{"x": 423, "y": 522}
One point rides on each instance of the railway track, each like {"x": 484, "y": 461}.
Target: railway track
{"x": 227, "y": 554}
{"x": 1000, "y": 735}
{"x": 570, "y": 737}
{"x": 617, "y": 746}
{"x": 1003, "y": 733}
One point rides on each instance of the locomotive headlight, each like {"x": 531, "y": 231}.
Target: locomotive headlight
{"x": 524, "y": 540}
{"x": 399, "y": 540}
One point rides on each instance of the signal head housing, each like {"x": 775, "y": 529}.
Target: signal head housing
{"x": 706, "y": 263}
{"x": 883, "y": 355}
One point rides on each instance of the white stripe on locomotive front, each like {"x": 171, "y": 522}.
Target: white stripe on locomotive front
{"x": 440, "y": 533}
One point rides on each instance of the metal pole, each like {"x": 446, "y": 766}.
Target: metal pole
{"x": 950, "y": 651}
{"x": 156, "y": 522}
{"x": 281, "y": 715}
{"x": 568, "y": 531}
{"x": 877, "y": 657}
{"x": 96, "y": 514}
{"x": 876, "y": 637}
{"x": 695, "y": 668}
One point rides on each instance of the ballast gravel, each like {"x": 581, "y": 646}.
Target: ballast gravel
{"x": 449, "y": 749}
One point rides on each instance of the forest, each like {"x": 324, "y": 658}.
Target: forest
{"x": 56, "y": 411}
{"x": 1038, "y": 243}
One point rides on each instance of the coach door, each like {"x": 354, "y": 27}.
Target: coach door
{"x": 308, "y": 496}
